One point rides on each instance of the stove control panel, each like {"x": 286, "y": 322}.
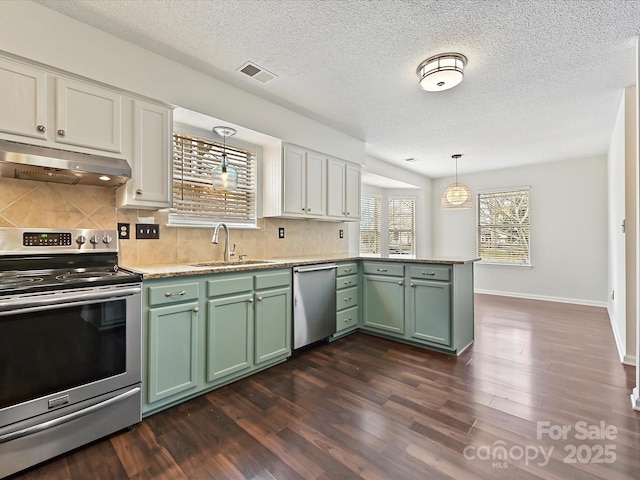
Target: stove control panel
{"x": 15, "y": 241}
{"x": 41, "y": 239}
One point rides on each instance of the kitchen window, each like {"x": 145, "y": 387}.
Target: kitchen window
{"x": 195, "y": 201}
{"x": 370, "y": 225}
{"x": 504, "y": 228}
{"x": 402, "y": 220}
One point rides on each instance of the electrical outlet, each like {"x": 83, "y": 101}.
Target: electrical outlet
{"x": 124, "y": 231}
{"x": 281, "y": 232}
{"x": 147, "y": 231}
{"x": 341, "y": 233}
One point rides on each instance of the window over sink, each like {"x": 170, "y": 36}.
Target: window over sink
{"x": 196, "y": 202}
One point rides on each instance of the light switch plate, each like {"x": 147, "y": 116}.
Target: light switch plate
{"x": 147, "y": 231}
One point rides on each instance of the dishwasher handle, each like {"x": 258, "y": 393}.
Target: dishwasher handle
{"x": 315, "y": 268}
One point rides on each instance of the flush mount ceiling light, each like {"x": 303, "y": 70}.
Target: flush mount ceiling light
{"x": 224, "y": 176}
{"x": 457, "y": 196}
{"x": 441, "y": 72}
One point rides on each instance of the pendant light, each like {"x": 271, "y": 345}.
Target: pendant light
{"x": 224, "y": 176}
{"x": 457, "y": 196}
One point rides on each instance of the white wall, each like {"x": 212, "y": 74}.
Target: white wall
{"x": 616, "y": 278}
{"x": 38, "y": 33}
{"x": 568, "y": 231}
{"x": 631, "y": 235}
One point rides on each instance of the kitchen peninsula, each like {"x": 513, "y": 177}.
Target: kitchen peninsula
{"x": 208, "y": 324}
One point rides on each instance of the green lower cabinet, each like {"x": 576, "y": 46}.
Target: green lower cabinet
{"x": 272, "y": 324}
{"x": 229, "y": 336}
{"x": 430, "y": 307}
{"x": 383, "y": 303}
{"x": 172, "y": 354}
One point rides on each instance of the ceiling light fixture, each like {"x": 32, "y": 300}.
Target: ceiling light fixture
{"x": 441, "y": 72}
{"x": 457, "y": 196}
{"x": 224, "y": 176}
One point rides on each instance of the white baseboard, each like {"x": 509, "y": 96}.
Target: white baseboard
{"x": 635, "y": 399}
{"x": 620, "y": 342}
{"x": 576, "y": 301}
{"x": 629, "y": 360}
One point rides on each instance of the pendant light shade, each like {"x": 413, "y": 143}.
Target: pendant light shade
{"x": 441, "y": 72}
{"x": 457, "y": 196}
{"x": 224, "y": 176}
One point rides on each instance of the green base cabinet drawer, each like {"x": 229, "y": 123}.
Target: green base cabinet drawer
{"x": 172, "y": 293}
{"x": 431, "y": 272}
{"x": 346, "y": 282}
{"x": 384, "y": 268}
{"x": 347, "y": 319}
{"x": 346, "y": 298}
{"x": 346, "y": 269}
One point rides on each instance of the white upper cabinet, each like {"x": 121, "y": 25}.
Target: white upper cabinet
{"x": 302, "y": 183}
{"x": 23, "y": 97}
{"x": 45, "y": 108}
{"x": 343, "y": 185}
{"x": 295, "y": 184}
{"x": 150, "y": 185}
{"x": 88, "y": 116}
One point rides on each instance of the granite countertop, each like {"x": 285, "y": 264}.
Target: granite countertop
{"x": 207, "y": 268}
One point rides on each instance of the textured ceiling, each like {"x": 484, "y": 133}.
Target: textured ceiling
{"x": 543, "y": 82}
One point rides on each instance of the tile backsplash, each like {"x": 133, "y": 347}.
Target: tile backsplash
{"x": 25, "y": 203}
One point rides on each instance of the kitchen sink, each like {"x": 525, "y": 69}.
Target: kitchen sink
{"x": 231, "y": 263}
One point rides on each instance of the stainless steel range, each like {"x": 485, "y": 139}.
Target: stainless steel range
{"x": 70, "y": 331}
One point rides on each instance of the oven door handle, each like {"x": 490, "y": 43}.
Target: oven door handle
{"x": 67, "y": 418}
{"x": 56, "y": 300}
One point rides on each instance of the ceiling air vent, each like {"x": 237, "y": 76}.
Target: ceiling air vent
{"x": 257, "y": 72}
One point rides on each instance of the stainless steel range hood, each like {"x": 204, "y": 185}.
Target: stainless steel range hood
{"x": 31, "y": 162}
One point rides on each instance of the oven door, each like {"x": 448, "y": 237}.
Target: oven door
{"x": 65, "y": 348}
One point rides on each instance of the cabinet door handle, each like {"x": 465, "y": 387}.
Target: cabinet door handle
{"x": 139, "y": 191}
{"x": 61, "y": 133}
{"x": 383, "y": 269}
{"x": 400, "y": 283}
{"x": 413, "y": 286}
{"x": 429, "y": 274}
{"x": 41, "y": 128}
{"x": 250, "y": 300}
{"x": 175, "y": 294}
{"x": 196, "y": 309}
{"x": 259, "y": 299}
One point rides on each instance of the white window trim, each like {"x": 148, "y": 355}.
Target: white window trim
{"x": 499, "y": 264}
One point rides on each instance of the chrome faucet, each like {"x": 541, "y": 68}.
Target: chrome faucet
{"x": 214, "y": 239}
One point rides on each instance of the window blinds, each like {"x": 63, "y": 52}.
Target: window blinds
{"x": 402, "y": 217}
{"x": 504, "y": 227}
{"x": 370, "y": 225}
{"x": 194, "y": 199}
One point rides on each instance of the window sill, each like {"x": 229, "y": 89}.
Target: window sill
{"x": 517, "y": 265}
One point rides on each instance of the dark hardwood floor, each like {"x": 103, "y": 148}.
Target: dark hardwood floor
{"x": 540, "y": 377}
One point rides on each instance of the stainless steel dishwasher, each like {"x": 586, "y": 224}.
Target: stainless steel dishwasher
{"x": 314, "y": 303}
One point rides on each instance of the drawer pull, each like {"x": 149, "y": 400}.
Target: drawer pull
{"x": 348, "y": 282}
{"x": 347, "y": 320}
{"x": 175, "y": 294}
{"x": 383, "y": 269}
{"x": 347, "y": 299}
{"x": 429, "y": 274}
{"x": 346, "y": 270}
